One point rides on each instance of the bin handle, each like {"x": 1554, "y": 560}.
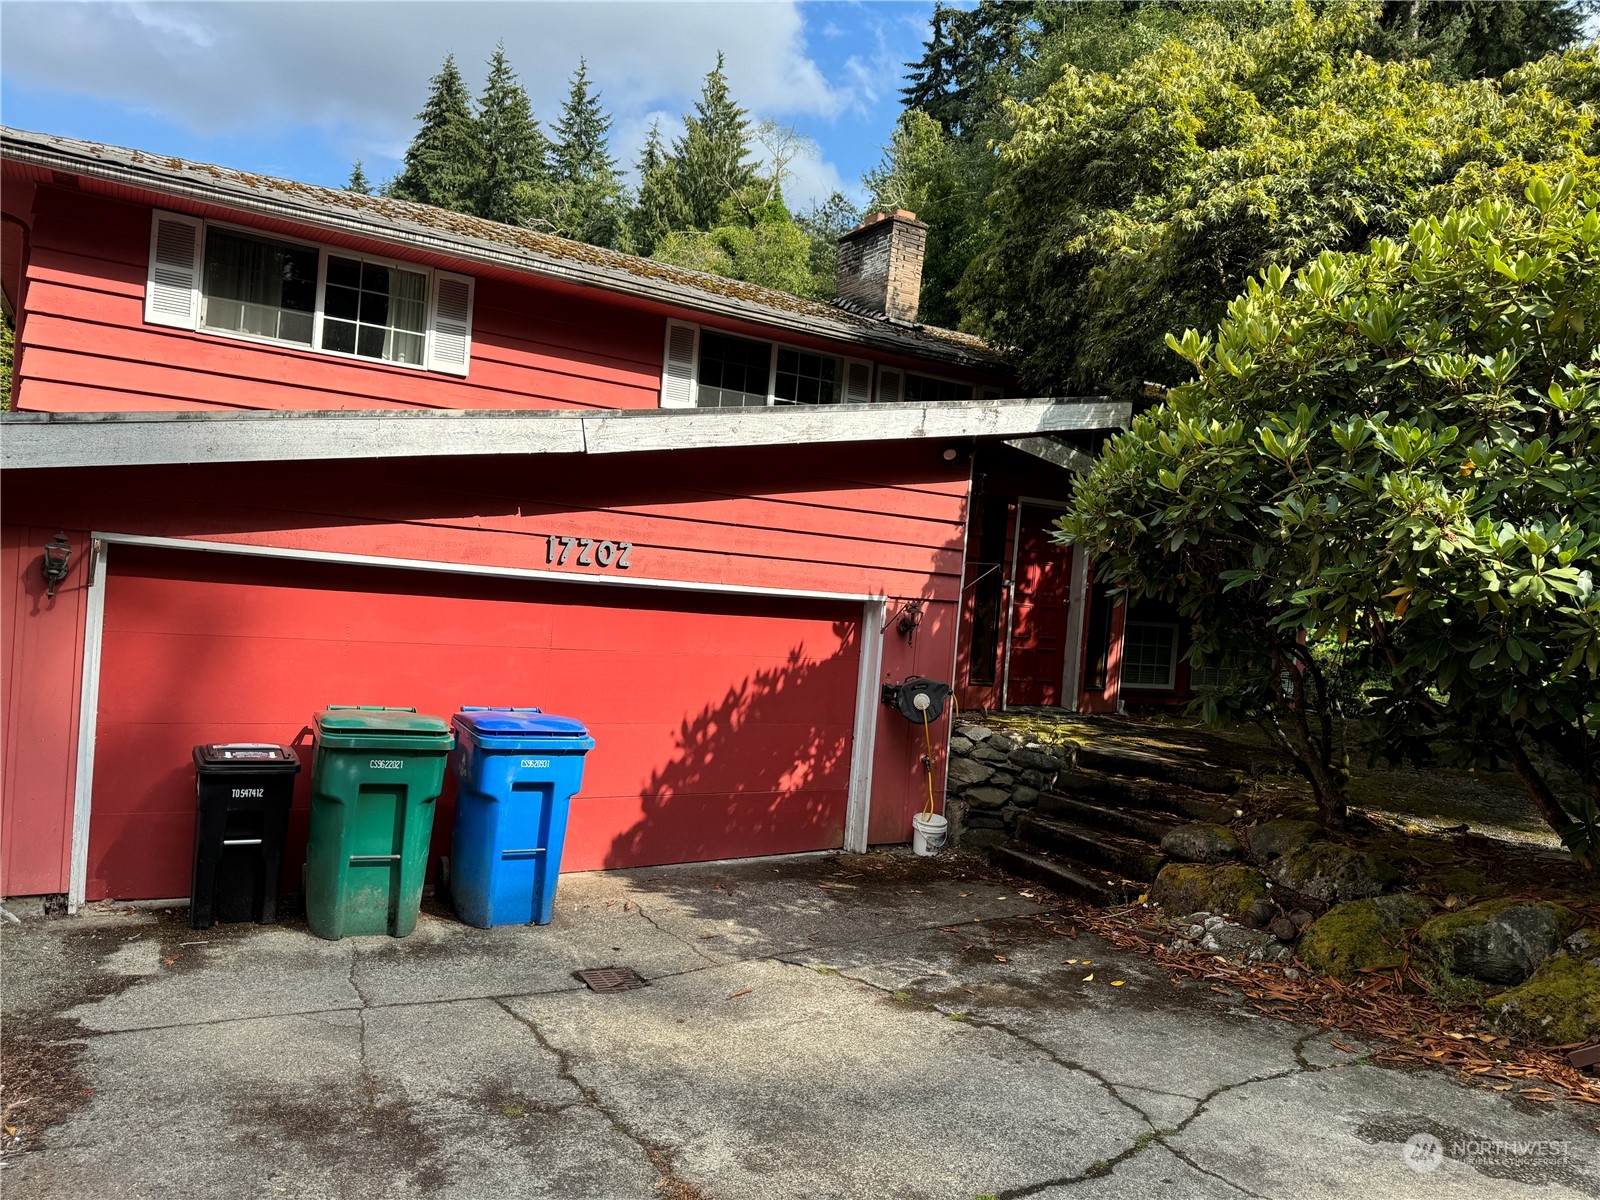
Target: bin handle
{"x": 370, "y": 708}
{"x": 509, "y": 853}
{"x": 241, "y": 841}
{"x": 369, "y": 860}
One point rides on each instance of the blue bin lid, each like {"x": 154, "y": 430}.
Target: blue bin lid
{"x": 517, "y": 722}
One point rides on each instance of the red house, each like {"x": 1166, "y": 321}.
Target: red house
{"x": 309, "y": 447}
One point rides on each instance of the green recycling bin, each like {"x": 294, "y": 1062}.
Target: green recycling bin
{"x": 375, "y": 778}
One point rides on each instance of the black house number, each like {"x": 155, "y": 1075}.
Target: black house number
{"x": 590, "y": 552}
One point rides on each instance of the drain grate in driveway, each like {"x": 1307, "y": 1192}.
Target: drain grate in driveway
{"x": 611, "y": 979}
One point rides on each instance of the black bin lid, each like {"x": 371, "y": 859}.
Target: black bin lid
{"x": 247, "y": 756}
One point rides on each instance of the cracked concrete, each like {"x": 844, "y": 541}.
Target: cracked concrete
{"x": 814, "y": 1026}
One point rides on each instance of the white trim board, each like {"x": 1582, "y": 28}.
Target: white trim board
{"x": 863, "y": 748}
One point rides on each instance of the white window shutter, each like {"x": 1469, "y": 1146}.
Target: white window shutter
{"x": 891, "y": 385}
{"x": 450, "y": 327}
{"x": 857, "y": 381}
{"x": 678, "y": 365}
{"x": 172, "y": 287}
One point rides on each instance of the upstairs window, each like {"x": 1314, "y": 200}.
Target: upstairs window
{"x": 239, "y": 283}
{"x": 733, "y": 371}
{"x": 705, "y": 368}
{"x": 375, "y": 311}
{"x": 921, "y": 388}
{"x": 805, "y": 378}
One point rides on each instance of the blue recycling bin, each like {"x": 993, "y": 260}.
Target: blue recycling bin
{"x": 516, "y": 772}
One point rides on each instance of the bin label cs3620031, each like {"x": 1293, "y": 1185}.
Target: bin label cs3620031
{"x": 538, "y": 764}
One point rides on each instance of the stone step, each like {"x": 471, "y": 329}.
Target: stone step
{"x": 1132, "y": 858}
{"x": 1060, "y": 875}
{"x": 1115, "y": 791}
{"x": 1141, "y": 764}
{"x": 1147, "y": 825}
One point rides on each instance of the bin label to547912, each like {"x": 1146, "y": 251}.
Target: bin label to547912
{"x": 538, "y": 764}
{"x": 385, "y": 764}
{"x": 591, "y": 552}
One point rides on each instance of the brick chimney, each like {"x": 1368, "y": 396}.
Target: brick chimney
{"x": 880, "y": 265}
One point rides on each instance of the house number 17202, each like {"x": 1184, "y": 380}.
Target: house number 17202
{"x": 590, "y": 552}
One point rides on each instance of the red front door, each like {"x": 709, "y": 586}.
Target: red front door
{"x": 1041, "y": 586}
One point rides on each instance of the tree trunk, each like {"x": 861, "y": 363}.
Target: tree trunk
{"x": 1550, "y": 808}
{"x": 1313, "y": 755}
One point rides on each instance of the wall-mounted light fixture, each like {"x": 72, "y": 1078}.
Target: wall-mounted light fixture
{"x": 55, "y": 564}
{"x": 910, "y": 615}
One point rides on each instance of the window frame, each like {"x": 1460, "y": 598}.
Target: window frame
{"x": 430, "y": 280}
{"x": 774, "y": 346}
{"x": 1171, "y": 683}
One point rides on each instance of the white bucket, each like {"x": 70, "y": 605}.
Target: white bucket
{"x": 927, "y": 834}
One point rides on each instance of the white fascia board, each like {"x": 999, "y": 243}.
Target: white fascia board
{"x": 37, "y": 441}
{"x": 1052, "y": 451}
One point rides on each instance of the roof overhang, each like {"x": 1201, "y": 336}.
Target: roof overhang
{"x": 306, "y": 206}
{"x": 56, "y": 440}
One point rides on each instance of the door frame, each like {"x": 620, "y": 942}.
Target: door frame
{"x": 1011, "y": 593}
{"x": 869, "y": 664}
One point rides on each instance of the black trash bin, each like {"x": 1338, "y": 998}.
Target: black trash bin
{"x": 241, "y": 821}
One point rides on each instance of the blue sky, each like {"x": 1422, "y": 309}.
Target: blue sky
{"x": 300, "y": 89}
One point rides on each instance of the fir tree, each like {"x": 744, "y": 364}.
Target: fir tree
{"x": 444, "y": 159}
{"x": 514, "y": 149}
{"x": 659, "y": 208}
{"x": 713, "y": 155}
{"x": 584, "y": 200}
{"x": 358, "y": 180}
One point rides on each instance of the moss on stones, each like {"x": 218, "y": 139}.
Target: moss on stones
{"x": 1329, "y": 872}
{"x": 1361, "y": 935}
{"x": 1558, "y": 1006}
{"x": 1197, "y": 887}
{"x": 1498, "y": 941}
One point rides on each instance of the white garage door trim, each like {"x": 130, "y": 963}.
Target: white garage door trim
{"x": 858, "y": 807}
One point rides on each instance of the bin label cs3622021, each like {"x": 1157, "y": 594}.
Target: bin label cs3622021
{"x": 385, "y": 764}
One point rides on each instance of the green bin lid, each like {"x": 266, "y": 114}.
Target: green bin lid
{"x": 374, "y": 721}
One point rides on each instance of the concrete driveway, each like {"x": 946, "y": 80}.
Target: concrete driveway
{"x": 873, "y": 1026}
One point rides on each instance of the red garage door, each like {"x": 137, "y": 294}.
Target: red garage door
{"x": 723, "y": 725}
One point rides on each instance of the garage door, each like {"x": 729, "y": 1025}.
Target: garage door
{"x": 723, "y": 725}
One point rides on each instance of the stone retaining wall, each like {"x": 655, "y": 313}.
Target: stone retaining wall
{"x": 994, "y": 779}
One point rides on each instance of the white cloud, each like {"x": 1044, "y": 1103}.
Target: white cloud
{"x": 364, "y": 66}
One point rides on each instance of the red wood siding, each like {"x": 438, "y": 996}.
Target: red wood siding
{"x": 89, "y": 350}
{"x": 874, "y": 520}
{"x": 535, "y": 344}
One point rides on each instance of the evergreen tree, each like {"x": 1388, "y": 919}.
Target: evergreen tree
{"x": 358, "y": 180}
{"x": 584, "y": 198}
{"x": 713, "y": 156}
{"x": 444, "y": 160}
{"x": 514, "y": 149}
{"x": 659, "y": 208}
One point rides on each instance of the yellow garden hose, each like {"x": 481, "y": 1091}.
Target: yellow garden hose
{"x": 927, "y": 738}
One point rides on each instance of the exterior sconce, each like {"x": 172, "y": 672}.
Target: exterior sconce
{"x": 54, "y": 565}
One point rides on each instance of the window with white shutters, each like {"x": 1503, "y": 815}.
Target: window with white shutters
{"x": 239, "y": 283}
{"x": 891, "y": 385}
{"x": 678, "y": 365}
{"x": 706, "y": 368}
{"x": 857, "y": 382}
{"x": 172, "y": 290}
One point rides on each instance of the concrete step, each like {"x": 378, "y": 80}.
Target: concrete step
{"x": 1132, "y": 858}
{"x": 1145, "y": 824}
{"x": 1150, "y": 796}
{"x": 1061, "y": 875}
{"x": 1141, "y": 764}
